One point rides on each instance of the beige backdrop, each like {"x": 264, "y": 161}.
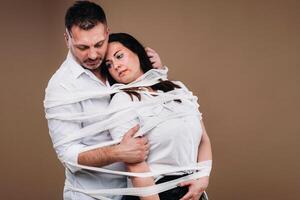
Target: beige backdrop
{"x": 241, "y": 58}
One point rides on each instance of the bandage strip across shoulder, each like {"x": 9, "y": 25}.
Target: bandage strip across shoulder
{"x": 109, "y": 119}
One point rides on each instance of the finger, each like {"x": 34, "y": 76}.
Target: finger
{"x": 146, "y": 154}
{"x": 185, "y": 183}
{"x": 153, "y": 59}
{"x": 131, "y": 132}
{"x": 147, "y": 147}
{"x": 156, "y": 65}
{"x": 151, "y": 54}
{"x": 148, "y": 49}
{"x": 187, "y": 196}
{"x": 135, "y": 128}
{"x": 144, "y": 140}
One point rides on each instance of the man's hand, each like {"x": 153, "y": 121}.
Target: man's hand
{"x": 154, "y": 58}
{"x": 133, "y": 150}
{"x": 196, "y": 188}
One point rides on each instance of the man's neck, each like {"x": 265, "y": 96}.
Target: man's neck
{"x": 98, "y": 74}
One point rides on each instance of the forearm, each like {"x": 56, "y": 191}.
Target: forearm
{"x": 100, "y": 157}
{"x": 142, "y": 182}
{"x": 130, "y": 150}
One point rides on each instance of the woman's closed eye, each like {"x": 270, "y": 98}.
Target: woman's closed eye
{"x": 119, "y": 56}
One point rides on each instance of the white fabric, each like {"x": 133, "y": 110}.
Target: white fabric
{"x": 78, "y": 119}
{"x": 69, "y": 79}
{"x": 142, "y": 191}
{"x": 174, "y": 142}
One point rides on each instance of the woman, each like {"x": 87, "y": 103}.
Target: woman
{"x": 175, "y": 141}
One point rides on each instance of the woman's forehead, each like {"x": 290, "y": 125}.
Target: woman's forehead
{"x": 114, "y": 47}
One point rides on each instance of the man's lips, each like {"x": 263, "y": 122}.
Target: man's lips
{"x": 94, "y": 62}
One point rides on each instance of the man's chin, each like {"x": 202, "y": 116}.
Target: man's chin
{"x": 91, "y": 67}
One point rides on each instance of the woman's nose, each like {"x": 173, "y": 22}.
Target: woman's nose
{"x": 116, "y": 65}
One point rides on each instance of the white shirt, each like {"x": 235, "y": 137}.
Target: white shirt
{"x": 70, "y": 78}
{"x": 174, "y": 142}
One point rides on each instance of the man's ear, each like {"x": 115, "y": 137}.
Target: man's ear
{"x": 107, "y": 31}
{"x": 66, "y": 36}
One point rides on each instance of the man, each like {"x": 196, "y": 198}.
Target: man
{"x": 86, "y": 37}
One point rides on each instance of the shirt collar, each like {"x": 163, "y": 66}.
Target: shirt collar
{"x": 151, "y": 77}
{"x": 76, "y": 69}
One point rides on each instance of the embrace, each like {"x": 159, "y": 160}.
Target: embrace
{"x": 120, "y": 127}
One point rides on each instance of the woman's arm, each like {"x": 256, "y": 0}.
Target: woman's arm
{"x": 197, "y": 187}
{"x": 142, "y": 182}
{"x": 118, "y": 133}
{"x": 204, "y": 150}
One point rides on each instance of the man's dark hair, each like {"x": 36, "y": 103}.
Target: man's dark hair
{"x": 136, "y": 47}
{"x": 84, "y": 14}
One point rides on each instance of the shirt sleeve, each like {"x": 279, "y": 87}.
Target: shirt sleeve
{"x": 59, "y": 130}
{"x": 194, "y": 100}
{"x": 124, "y": 125}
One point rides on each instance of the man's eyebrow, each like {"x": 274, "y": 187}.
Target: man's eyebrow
{"x": 101, "y": 41}
{"x": 117, "y": 52}
{"x": 81, "y": 45}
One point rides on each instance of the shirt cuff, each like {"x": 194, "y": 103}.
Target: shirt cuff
{"x": 71, "y": 156}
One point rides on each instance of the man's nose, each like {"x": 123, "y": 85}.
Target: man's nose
{"x": 93, "y": 53}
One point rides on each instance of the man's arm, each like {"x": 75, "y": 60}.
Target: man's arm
{"x": 130, "y": 150}
{"x": 60, "y": 129}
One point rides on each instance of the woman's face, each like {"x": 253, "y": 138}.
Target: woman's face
{"x": 123, "y": 65}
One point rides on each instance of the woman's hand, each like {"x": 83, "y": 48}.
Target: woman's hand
{"x": 196, "y": 188}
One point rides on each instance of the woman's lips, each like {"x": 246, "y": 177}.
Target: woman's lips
{"x": 122, "y": 73}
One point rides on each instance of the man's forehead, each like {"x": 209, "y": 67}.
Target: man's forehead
{"x": 89, "y": 37}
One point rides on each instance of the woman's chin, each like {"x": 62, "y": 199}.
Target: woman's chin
{"x": 125, "y": 80}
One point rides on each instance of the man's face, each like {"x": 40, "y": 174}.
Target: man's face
{"x": 88, "y": 46}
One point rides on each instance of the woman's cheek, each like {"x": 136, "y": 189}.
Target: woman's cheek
{"x": 112, "y": 72}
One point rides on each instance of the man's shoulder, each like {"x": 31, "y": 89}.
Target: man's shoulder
{"x": 60, "y": 79}
{"x": 62, "y": 75}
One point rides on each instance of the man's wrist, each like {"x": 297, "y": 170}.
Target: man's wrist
{"x": 116, "y": 153}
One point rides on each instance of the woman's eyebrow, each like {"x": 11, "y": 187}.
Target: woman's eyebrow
{"x": 117, "y": 52}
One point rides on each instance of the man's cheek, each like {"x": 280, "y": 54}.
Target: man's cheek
{"x": 81, "y": 56}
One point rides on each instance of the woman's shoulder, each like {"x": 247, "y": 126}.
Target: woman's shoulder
{"x": 184, "y": 91}
{"x": 181, "y": 85}
{"x": 121, "y": 96}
